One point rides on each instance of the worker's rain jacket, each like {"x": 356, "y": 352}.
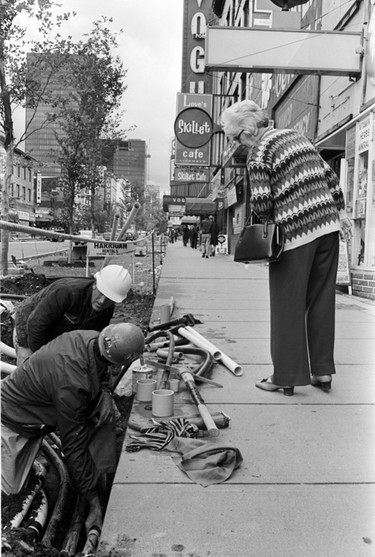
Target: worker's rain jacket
{"x": 63, "y": 306}
{"x": 59, "y": 387}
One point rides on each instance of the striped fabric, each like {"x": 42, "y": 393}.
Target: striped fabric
{"x": 290, "y": 180}
{"x": 158, "y": 436}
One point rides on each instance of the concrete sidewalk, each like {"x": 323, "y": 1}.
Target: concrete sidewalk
{"x": 306, "y": 487}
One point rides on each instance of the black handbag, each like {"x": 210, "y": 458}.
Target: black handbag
{"x": 259, "y": 243}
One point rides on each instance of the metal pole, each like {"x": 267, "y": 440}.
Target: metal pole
{"x": 129, "y": 220}
{"x": 153, "y": 262}
{"x": 112, "y": 237}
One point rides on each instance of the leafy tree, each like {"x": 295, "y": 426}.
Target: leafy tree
{"x": 81, "y": 119}
{"x": 95, "y": 78}
{"x": 16, "y": 82}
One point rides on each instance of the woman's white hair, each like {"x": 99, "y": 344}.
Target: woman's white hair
{"x": 243, "y": 115}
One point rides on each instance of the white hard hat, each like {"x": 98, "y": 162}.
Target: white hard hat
{"x": 120, "y": 340}
{"x": 114, "y": 282}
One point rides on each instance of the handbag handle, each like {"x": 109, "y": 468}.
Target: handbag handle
{"x": 265, "y": 224}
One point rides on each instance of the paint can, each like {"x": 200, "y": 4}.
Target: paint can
{"x": 140, "y": 372}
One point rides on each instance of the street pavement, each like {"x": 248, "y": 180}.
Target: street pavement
{"x": 306, "y": 487}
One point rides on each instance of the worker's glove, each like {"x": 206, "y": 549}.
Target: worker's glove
{"x": 103, "y": 412}
{"x": 345, "y": 229}
{"x": 95, "y": 514}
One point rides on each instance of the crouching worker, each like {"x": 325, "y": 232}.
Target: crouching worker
{"x": 61, "y": 387}
{"x": 69, "y": 304}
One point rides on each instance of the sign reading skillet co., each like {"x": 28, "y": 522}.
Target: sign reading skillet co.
{"x": 193, "y": 127}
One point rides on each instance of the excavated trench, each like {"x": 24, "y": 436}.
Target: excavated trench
{"x": 20, "y": 541}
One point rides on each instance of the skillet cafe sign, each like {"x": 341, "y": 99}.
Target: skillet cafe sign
{"x": 102, "y": 249}
{"x": 193, "y": 127}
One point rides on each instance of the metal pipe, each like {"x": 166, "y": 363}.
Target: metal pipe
{"x": 41, "y": 473}
{"x": 129, "y": 220}
{"x": 200, "y": 342}
{"x": 36, "y": 526}
{"x": 112, "y": 237}
{"x": 153, "y": 263}
{"x": 230, "y": 364}
{"x": 48, "y": 234}
{"x": 6, "y": 368}
{"x": 7, "y": 350}
{"x": 211, "y": 427}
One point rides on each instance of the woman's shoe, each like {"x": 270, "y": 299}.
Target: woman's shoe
{"x": 322, "y": 381}
{"x": 268, "y": 385}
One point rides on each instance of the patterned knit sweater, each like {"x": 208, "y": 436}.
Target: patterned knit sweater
{"x": 290, "y": 181}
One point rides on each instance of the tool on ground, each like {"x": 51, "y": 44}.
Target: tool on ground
{"x": 178, "y": 370}
{"x": 188, "y": 379}
{"x": 220, "y": 418}
{"x": 187, "y": 319}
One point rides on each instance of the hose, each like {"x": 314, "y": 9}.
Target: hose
{"x": 61, "y": 502}
{"x": 203, "y": 367}
{"x": 73, "y": 535}
{"x": 169, "y": 358}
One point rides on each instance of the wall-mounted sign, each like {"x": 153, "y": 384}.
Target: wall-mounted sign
{"x": 193, "y": 127}
{"x": 182, "y": 174}
{"x": 193, "y": 156}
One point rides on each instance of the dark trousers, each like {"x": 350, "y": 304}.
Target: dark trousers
{"x": 302, "y": 294}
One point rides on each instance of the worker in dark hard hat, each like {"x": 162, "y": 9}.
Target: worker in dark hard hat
{"x": 66, "y": 305}
{"x": 61, "y": 387}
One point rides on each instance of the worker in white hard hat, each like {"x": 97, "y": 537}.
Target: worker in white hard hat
{"x": 60, "y": 387}
{"x": 69, "y": 304}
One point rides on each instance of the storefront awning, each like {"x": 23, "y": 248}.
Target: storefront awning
{"x": 190, "y": 220}
{"x": 199, "y": 206}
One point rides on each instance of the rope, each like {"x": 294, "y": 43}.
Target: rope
{"x": 158, "y": 436}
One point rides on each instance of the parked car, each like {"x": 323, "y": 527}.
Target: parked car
{"x": 56, "y": 239}
{"x": 130, "y": 235}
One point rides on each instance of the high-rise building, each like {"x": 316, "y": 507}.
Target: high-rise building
{"x": 40, "y": 140}
{"x": 127, "y": 160}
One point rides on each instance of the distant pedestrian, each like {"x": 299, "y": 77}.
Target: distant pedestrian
{"x": 290, "y": 182}
{"x": 194, "y": 236}
{"x": 69, "y": 304}
{"x": 206, "y": 226}
{"x": 214, "y": 235}
{"x": 185, "y": 234}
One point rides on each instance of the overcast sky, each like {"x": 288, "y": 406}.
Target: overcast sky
{"x": 151, "y": 51}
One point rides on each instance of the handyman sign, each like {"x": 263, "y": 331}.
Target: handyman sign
{"x": 102, "y": 249}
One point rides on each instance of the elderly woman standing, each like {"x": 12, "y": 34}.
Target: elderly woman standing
{"x": 292, "y": 183}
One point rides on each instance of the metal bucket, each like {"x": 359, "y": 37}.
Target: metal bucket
{"x": 141, "y": 372}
